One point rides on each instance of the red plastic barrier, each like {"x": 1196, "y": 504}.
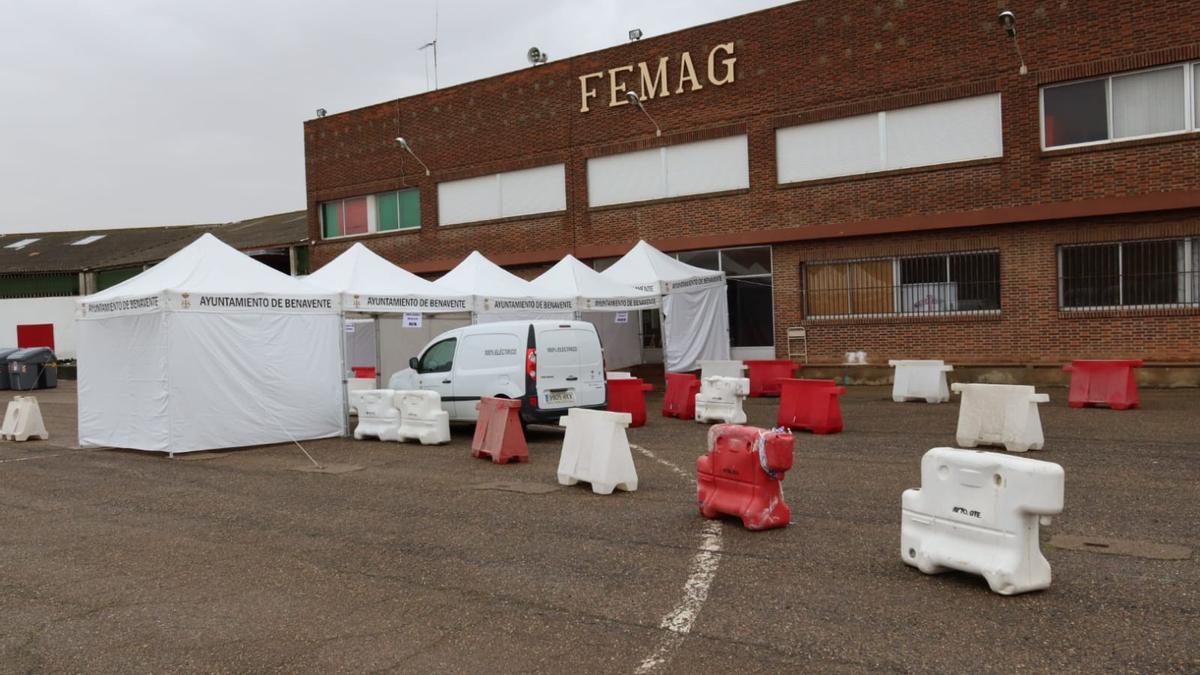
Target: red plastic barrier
{"x": 741, "y": 473}
{"x": 364, "y": 372}
{"x": 1110, "y": 383}
{"x": 498, "y": 433}
{"x": 810, "y": 404}
{"x": 680, "y": 397}
{"x": 766, "y": 374}
{"x": 629, "y": 396}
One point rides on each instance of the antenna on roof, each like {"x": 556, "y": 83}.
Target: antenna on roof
{"x": 433, "y": 44}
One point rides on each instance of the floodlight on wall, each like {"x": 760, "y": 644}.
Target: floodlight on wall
{"x": 635, "y": 35}
{"x": 536, "y": 56}
{"x": 636, "y": 100}
{"x": 408, "y": 148}
{"x": 1009, "y": 21}
{"x": 320, "y": 112}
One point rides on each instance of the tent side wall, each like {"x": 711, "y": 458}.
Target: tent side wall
{"x": 622, "y": 342}
{"x": 123, "y": 382}
{"x": 253, "y": 379}
{"x": 695, "y": 328}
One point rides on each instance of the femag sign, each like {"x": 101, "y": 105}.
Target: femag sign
{"x": 655, "y": 81}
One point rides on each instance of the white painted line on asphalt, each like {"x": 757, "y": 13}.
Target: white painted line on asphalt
{"x": 24, "y": 459}
{"x": 670, "y": 465}
{"x": 678, "y": 622}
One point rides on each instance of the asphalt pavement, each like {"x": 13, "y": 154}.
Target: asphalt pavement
{"x": 428, "y": 560}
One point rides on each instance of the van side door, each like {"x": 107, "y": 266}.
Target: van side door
{"x": 488, "y": 364}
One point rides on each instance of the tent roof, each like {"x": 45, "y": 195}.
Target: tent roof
{"x": 361, "y": 270}
{"x": 476, "y": 275}
{"x": 569, "y": 276}
{"x": 208, "y": 265}
{"x": 646, "y": 266}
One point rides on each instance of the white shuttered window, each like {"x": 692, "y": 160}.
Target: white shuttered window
{"x": 672, "y": 171}
{"x": 925, "y": 135}
{"x": 503, "y": 195}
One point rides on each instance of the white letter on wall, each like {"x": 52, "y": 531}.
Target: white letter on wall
{"x": 614, "y": 88}
{"x": 584, "y": 92}
{"x": 728, "y": 63}
{"x": 687, "y": 72}
{"x": 658, "y": 85}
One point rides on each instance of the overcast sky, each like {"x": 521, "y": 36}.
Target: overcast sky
{"x": 125, "y": 113}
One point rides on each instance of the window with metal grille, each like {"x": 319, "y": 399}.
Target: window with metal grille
{"x": 38, "y": 285}
{"x": 943, "y": 283}
{"x": 1130, "y": 274}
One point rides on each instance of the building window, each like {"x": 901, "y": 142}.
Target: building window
{"x": 682, "y": 170}
{"x": 945, "y": 283}
{"x": 508, "y": 194}
{"x": 383, "y": 212}
{"x": 38, "y": 285}
{"x": 748, "y": 289}
{"x": 960, "y": 130}
{"x": 1130, "y": 274}
{"x": 1140, "y": 104}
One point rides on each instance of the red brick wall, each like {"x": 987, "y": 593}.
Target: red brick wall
{"x": 1030, "y": 329}
{"x": 802, "y": 62}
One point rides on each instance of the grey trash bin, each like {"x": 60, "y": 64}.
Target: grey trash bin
{"x": 32, "y": 368}
{"x": 4, "y": 352}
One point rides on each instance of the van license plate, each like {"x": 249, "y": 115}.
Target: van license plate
{"x": 560, "y": 397}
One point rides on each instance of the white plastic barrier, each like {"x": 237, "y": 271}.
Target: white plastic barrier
{"x": 979, "y": 512}
{"x": 596, "y": 450}
{"x": 721, "y": 369}
{"x": 1000, "y": 414}
{"x": 422, "y": 418}
{"x": 920, "y": 380}
{"x": 615, "y": 375}
{"x": 23, "y": 420}
{"x": 720, "y": 399}
{"x": 377, "y": 416}
{"x": 356, "y": 385}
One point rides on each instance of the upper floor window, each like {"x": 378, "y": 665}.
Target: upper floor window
{"x": 1130, "y": 274}
{"x": 960, "y": 130}
{"x": 508, "y": 194}
{"x": 383, "y": 212}
{"x": 1140, "y": 104}
{"x": 696, "y": 168}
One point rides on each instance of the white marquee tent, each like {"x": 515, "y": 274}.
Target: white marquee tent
{"x": 501, "y": 295}
{"x": 611, "y": 306}
{"x": 372, "y": 285}
{"x": 694, "y": 305}
{"x": 209, "y": 349}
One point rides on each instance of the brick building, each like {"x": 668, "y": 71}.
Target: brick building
{"x": 880, "y": 173}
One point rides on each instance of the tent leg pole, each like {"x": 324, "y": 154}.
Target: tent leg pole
{"x": 379, "y": 381}
{"x": 342, "y": 377}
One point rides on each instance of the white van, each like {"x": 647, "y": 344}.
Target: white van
{"x": 549, "y": 365}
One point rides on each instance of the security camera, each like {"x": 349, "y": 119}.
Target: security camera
{"x": 401, "y": 142}
{"x": 633, "y": 98}
{"x": 1009, "y": 21}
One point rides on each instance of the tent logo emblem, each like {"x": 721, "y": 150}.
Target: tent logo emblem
{"x": 185, "y": 303}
